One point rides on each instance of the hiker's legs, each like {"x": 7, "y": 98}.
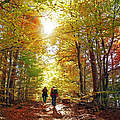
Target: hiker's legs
{"x": 44, "y": 99}
{"x": 54, "y": 100}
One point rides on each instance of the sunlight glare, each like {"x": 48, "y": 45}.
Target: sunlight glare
{"x": 48, "y": 26}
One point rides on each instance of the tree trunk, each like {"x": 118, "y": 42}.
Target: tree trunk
{"x": 84, "y": 80}
{"x": 4, "y": 70}
{"x": 94, "y": 70}
{"x": 13, "y": 76}
{"x": 112, "y": 71}
{"x": 9, "y": 74}
{"x": 20, "y": 87}
{"x": 80, "y": 67}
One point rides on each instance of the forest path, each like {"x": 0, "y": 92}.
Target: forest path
{"x": 63, "y": 112}
{"x": 71, "y": 111}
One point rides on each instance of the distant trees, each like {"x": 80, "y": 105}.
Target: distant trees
{"x": 19, "y": 47}
{"x": 91, "y": 27}
{"x": 87, "y": 41}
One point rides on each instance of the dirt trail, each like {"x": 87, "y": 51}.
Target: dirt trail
{"x": 63, "y": 112}
{"x": 39, "y": 111}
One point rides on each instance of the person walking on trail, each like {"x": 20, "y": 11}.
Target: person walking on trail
{"x": 44, "y": 94}
{"x": 54, "y": 95}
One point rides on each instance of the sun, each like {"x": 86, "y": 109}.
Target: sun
{"x": 48, "y": 25}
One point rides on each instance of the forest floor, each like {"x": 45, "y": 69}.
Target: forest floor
{"x": 71, "y": 111}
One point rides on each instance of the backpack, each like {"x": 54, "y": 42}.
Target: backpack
{"x": 54, "y": 91}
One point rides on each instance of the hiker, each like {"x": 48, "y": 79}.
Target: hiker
{"x": 44, "y": 94}
{"x": 54, "y": 95}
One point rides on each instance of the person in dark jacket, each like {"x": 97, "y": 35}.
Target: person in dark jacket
{"x": 44, "y": 94}
{"x": 54, "y": 95}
